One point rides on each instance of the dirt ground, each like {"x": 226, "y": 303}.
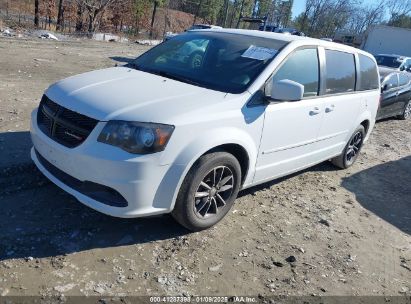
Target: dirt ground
{"x": 349, "y": 231}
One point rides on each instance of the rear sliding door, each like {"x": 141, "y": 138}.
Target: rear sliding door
{"x": 342, "y": 104}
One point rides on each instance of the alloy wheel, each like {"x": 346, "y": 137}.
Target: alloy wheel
{"x": 354, "y": 147}
{"x": 213, "y": 192}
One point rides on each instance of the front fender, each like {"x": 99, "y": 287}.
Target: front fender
{"x": 192, "y": 151}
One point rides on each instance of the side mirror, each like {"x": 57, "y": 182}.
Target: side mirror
{"x": 286, "y": 90}
{"x": 402, "y": 68}
{"x": 386, "y": 87}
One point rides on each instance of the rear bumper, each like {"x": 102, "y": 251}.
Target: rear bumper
{"x": 136, "y": 179}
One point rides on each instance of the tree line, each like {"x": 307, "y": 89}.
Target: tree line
{"x": 320, "y": 18}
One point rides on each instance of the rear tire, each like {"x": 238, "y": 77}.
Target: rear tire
{"x": 351, "y": 150}
{"x": 406, "y": 114}
{"x": 208, "y": 191}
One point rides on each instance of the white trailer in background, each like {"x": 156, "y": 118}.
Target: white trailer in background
{"x": 382, "y": 39}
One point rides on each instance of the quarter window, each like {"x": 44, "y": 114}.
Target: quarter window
{"x": 340, "y": 69}
{"x": 368, "y": 74}
{"x": 301, "y": 67}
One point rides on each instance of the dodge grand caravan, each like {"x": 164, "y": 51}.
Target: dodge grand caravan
{"x": 186, "y": 125}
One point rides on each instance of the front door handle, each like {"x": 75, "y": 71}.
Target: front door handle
{"x": 329, "y": 108}
{"x": 315, "y": 111}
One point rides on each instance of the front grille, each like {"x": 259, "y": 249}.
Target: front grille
{"x": 100, "y": 193}
{"x": 66, "y": 127}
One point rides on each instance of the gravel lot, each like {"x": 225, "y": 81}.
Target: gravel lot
{"x": 349, "y": 231}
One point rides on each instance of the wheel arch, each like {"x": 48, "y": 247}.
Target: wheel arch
{"x": 236, "y": 142}
{"x": 239, "y": 152}
{"x": 367, "y": 121}
{"x": 366, "y": 124}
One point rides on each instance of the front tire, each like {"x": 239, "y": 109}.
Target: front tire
{"x": 208, "y": 191}
{"x": 351, "y": 150}
{"x": 407, "y": 111}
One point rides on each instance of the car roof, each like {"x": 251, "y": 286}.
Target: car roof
{"x": 384, "y": 72}
{"x": 393, "y": 55}
{"x": 207, "y": 25}
{"x": 290, "y": 38}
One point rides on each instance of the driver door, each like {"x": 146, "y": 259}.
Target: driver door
{"x": 389, "y": 96}
{"x": 289, "y": 137}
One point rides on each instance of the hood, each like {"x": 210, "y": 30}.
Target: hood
{"x": 126, "y": 94}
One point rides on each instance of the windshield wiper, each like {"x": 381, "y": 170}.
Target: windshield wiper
{"x": 164, "y": 74}
{"x": 172, "y": 76}
{"x": 134, "y": 66}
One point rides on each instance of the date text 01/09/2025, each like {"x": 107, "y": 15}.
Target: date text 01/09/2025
{"x": 203, "y": 299}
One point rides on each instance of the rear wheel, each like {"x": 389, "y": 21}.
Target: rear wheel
{"x": 208, "y": 191}
{"x": 407, "y": 111}
{"x": 351, "y": 150}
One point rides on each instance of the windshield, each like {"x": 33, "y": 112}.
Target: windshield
{"x": 389, "y": 61}
{"x": 218, "y": 61}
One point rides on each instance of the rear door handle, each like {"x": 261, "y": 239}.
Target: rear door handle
{"x": 329, "y": 108}
{"x": 315, "y": 111}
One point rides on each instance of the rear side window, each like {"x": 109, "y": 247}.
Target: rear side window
{"x": 404, "y": 79}
{"x": 301, "y": 67}
{"x": 368, "y": 74}
{"x": 340, "y": 68}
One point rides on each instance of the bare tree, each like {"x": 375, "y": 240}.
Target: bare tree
{"x": 399, "y": 7}
{"x": 70, "y": 14}
{"x": 322, "y": 18}
{"x": 94, "y": 8}
{"x": 79, "y": 17}
{"x": 156, "y": 4}
{"x": 364, "y": 17}
{"x": 36, "y": 13}
{"x": 60, "y": 15}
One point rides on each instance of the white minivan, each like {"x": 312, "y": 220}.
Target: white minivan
{"x": 186, "y": 125}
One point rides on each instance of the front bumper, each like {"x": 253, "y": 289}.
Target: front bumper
{"x": 136, "y": 178}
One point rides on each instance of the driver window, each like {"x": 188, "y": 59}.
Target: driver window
{"x": 404, "y": 80}
{"x": 392, "y": 82}
{"x": 303, "y": 67}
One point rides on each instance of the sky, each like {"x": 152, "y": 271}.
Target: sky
{"x": 299, "y": 6}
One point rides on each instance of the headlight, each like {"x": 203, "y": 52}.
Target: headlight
{"x": 136, "y": 137}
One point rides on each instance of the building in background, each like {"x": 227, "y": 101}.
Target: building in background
{"x": 348, "y": 38}
{"x": 381, "y": 39}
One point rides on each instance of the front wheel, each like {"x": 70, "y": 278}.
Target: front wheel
{"x": 208, "y": 191}
{"x": 407, "y": 111}
{"x": 351, "y": 150}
